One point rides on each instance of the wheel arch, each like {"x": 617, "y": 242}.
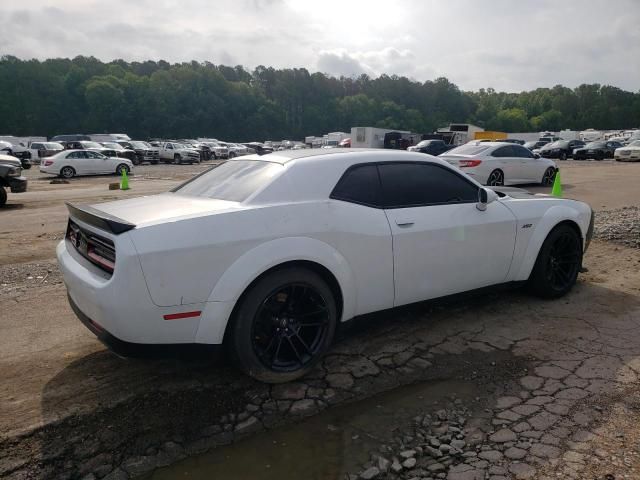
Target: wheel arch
{"x": 313, "y": 266}
{"x": 554, "y": 217}
{"x": 237, "y": 280}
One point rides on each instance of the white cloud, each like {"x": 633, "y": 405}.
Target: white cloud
{"x": 501, "y": 44}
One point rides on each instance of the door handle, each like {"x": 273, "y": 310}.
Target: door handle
{"x": 404, "y": 223}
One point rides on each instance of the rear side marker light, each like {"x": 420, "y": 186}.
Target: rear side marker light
{"x": 469, "y": 163}
{"x": 180, "y": 316}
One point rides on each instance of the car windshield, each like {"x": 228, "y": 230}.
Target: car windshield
{"x": 423, "y": 143}
{"x": 53, "y": 146}
{"x": 138, "y": 144}
{"x": 635, "y": 143}
{"x": 113, "y": 145}
{"x": 90, "y": 144}
{"x": 234, "y": 181}
{"x": 595, "y": 145}
{"x": 468, "y": 150}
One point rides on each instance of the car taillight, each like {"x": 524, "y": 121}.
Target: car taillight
{"x": 469, "y": 163}
{"x": 48, "y": 163}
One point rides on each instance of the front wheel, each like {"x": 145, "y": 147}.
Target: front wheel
{"x": 283, "y": 326}
{"x": 122, "y": 168}
{"x": 496, "y": 178}
{"x": 563, "y": 156}
{"x": 558, "y": 263}
{"x": 3, "y": 196}
{"x": 177, "y": 159}
{"x": 548, "y": 177}
{"x": 67, "y": 172}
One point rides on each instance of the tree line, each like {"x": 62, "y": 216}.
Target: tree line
{"x": 185, "y": 100}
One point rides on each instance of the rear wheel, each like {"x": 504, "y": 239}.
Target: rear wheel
{"x": 496, "y": 178}
{"x": 67, "y": 172}
{"x": 283, "y": 326}
{"x": 549, "y": 176}
{"x": 558, "y": 263}
{"x": 3, "y": 196}
{"x": 563, "y": 155}
{"x": 177, "y": 158}
{"x": 122, "y": 168}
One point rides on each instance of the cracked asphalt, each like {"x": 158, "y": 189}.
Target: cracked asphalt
{"x": 555, "y": 383}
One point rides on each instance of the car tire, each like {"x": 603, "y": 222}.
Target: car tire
{"x": 67, "y": 172}
{"x": 3, "y": 196}
{"x": 599, "y": 156}
{"x": 177, "y": 159}
{"x": 496, "y": 178}
{"x": 559, "y": 261}
{"x": 283, "y": 325}
{"x": 154, "y": 162}
{"x": 122, "y": 167}
{"x": 26, "y": 166}
{"x": 548, "y": 177}
{"x": 135, "y": 160}
{"x": 231, "y": 155}
{"x": 563, "y": 156}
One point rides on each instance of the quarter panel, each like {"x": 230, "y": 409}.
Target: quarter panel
{"x": 535, "y": 219}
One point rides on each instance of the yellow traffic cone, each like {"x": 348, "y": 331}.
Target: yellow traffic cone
{"x": 124, "y": 181}
{"x": 556, "y": 191}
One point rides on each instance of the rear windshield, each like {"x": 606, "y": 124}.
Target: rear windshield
{"x": 235, "y": 180}
{"x": 595, "y": 145}
{"x": 467, "y": 150}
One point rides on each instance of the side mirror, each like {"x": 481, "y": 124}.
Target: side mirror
{"x": 485, "y": 197}
{"x": 536, "y": 155}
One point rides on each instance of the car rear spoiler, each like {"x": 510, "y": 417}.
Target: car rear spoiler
{"x": 99, "y": 219}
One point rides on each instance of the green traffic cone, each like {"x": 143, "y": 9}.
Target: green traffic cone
{"x": 124, "y": 181}
{"x": 556, "y": 191}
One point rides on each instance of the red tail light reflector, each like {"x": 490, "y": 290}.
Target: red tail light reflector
{"x": 180, "y": 316}
{"x": 469, "y": 163}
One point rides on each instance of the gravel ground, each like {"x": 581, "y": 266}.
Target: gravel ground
{"x": 620, "y": 226}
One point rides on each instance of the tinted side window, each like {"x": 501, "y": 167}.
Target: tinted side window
{"x": 522, "y": 152}
{"x": 502, "y": 152}
{"x": 414, "y": 184}
{"x": 359, "y": 184}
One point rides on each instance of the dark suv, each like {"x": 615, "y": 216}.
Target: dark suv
{"x": 431, "y": 147}
{"x": 11, "y": 177}
{"x": 145, "y": 152}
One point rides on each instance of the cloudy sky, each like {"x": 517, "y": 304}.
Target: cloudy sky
{"x": 509, "y": 45}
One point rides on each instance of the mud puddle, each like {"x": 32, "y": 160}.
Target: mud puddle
{"x": 326, "y": 446}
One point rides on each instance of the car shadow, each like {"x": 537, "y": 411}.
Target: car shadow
{"x": 12, "y": 206}
{"x": 127, "y": 407}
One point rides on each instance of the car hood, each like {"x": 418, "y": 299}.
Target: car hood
{"x": 9, "y": 160}
{"x": 164, "y": 207}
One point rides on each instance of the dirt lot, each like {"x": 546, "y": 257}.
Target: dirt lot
{"x": 554, "y": 384}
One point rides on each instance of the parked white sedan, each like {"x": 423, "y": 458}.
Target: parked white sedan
{"x": 501, "y": 163}
{"x": 269, "y": 253}
{"x": 628, "y": 153}
{"x": 70, "y": 163}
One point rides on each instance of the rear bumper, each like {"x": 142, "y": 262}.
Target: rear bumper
{"x": 119, "y": 305}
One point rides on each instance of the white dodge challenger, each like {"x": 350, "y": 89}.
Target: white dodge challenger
{"x": 268, "y": 254}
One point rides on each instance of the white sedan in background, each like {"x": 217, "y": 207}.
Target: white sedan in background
{"x": 71, "y": 163}
{"x": 628, "y": 153}
{"x": 268, "y": 254}
{"x": 501, "y": 163}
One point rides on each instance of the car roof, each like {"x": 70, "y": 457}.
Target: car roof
{"x": 286, "y": 156}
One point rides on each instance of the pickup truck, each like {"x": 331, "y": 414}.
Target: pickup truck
{"x": 144, "y": 151}
{"x": 11, "y": 177}
{"x": 178, "y": 153}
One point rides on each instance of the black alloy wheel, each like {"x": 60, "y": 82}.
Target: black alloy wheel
{"x": 496, "y": 178}
{"x": 290, "y": 327}
{"x": 283, "y": 326}
{"x": 549, "y": 176}
{"x": 558, "y": 263}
